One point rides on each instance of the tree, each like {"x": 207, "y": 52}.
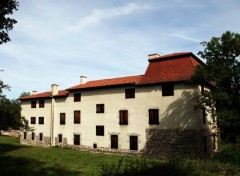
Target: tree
{"x": 6, "y": 24}
{"x": 223, "y": 70}
{"x": 3, "y": 86}
{"x": 24, "y": 94}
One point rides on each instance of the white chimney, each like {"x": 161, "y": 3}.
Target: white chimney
{"x": 54, "y": 89}
{"x": 34, "y": 92}
{"x": 153, "y": 56}
{"x": 83, "y": 79}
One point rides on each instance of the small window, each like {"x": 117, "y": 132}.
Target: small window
{"x": 33, "y": 120}
{"x": 62, "y": 118}
{"x": 76, "y": 139}
{"x": 33, "y": 104}
{"x": 133, "y": 143}
{"x": 41, "y": 103}
{"x": 95, "y": 146}
{"x": 40, "y": 136}
{"x": 114, "y": 141}
{"x": 100, "y": 108}
{"x": 41, "y": 120}
{"x": 33, "y": 136}
{"x": 130, "y": 93}
{"x": 60, "y": 138}
{"x": 25, "y": 135}
{"x": 77, "y": 97}
{"x": 100, "y": 130}
{"x": 204, "y": 115}
{"x": 77, "y": 117}
{"x": 153, "y": 116}
{"x": 167, "y": 90}
{"x": 123, "y": 117}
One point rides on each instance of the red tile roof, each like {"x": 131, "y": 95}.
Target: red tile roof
{"x": 45, "y": 95}
{"x": 108, "y": 82}
{"x": 170, "y": 68}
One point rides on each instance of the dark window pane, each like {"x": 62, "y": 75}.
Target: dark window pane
{"x": 130, "y": 93}
{"x": 33, "y": 120}
{"x": 62, "y": 118}
{"x": 33, "y": 136}
{"x": 25, "y": 135}
{"x": 153, "y": 116}
{"x": 41, "y": 103}
{"x": 40, "y": 136}
{"x": 100, "y": 108}
{"x": 123, "y": 117}
{"x": 77, "y": 117}
{"x": 133, "y": 143}
{"x": 41, "y": 120}
{"x": 77, "y": 97}
{"x": 33, "y": 104}
{"x": 167, "y": 90}
{"x": 100, "y": 130}
{"x": 76, "y": 139}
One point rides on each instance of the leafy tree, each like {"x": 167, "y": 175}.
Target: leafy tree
{"x": 3, "y": 86}
{"x": 222, "y": 69}
{"x": 6, "y": 24}
{"x": 24, "y": 94}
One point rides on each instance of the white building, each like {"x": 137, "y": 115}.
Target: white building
{"x": 152, "y": 114}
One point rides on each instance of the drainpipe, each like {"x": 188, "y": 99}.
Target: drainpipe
{"x": 54, "y": 92}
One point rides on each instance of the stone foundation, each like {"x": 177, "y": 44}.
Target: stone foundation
{"x": 28, "y": 141}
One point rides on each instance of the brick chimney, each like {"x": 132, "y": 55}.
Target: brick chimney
{"x": 153, "y": 56}
{"x": 54, "y": 89}
{"x": 83, "y": 79}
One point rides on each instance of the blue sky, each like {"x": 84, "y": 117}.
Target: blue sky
{"x": 57, "y": 41}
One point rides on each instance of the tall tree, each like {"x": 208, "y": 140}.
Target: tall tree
{"x": 222, "y": 67}
{"x": 6, "y": 24}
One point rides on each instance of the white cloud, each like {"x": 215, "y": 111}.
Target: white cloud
{"x": 97, "y": 15}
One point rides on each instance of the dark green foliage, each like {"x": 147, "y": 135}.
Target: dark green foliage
{"x": 222, "y": 70}
{"x": 10, "y": 115}
{"x": 24, "y": 94}
{"x": 6, "y": 24}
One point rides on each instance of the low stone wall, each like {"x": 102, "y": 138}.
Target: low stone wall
{"x": 167, "y": 143}
{"x": 28, "y": 141}
{"x": 12, "y": 133}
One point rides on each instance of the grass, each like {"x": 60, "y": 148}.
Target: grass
{"x": 16, "y": 159}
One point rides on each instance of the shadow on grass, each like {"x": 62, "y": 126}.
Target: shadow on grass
{"x": 21, "y": 166}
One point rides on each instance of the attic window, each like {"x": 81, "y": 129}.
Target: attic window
{"x": 130, "y": 93}
{"x": 33, "y": 104}
{"x": 41, "y": 103}
{"x": 167, "y": 90}
{"x": 77, "y": 97}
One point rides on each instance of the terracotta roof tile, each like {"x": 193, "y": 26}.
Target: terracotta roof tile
{"x": 108, "y": 82}
{"x": 45, "y": 95}
{"x": 170, "y": 68}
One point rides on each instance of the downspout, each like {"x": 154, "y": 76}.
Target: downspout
{"x": 52, "y": 123}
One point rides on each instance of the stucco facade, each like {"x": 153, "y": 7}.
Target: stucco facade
{"x": 151, "y": 115}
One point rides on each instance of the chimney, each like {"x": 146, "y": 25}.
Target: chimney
{"x": 54, "y": 89}
{"x": 83, "y": 79}
{"x": 34, "y": 92}
{"x": 153, "y": 56}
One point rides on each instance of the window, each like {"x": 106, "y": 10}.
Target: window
{"x": 76, "y": 139}
{"x": 123, "y": 117}
{"x": 130, "y": 93}
{"x": 133, "y": 143}
{"x": 25, "y": 135}
{"x": 100, "y": 108}
{"x": 100, "y": 130}
{"x": 40, "y": 136}
{"x": 41, "y": 120}
{"x": 77, "y": 117}
{"x": 95, "y": 146}
{"x": 33, "y": 136}
{"x": 33, "y": 120}
{"x": 114, "y": 141}
{"x": 153, "y": 116}
{"x": 60, "y": 138}
{"x": 167, "y": 90}
{"x": 62, "y": 118}
{"x": 41, "y": 103}
{"x": 33, "y": 104}
{"x": 77, "y": 97}
{"x": 204, "y": 115}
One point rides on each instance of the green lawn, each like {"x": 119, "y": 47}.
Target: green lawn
{"x": 16, "y": 159}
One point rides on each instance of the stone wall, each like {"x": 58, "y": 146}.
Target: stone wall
{"x": 164, "y": 143}
{"x": 28, "y": 141}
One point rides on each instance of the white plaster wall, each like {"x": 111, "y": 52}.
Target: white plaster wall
{"x": 175, "y": 112}
{"x": 37, "y": 112}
